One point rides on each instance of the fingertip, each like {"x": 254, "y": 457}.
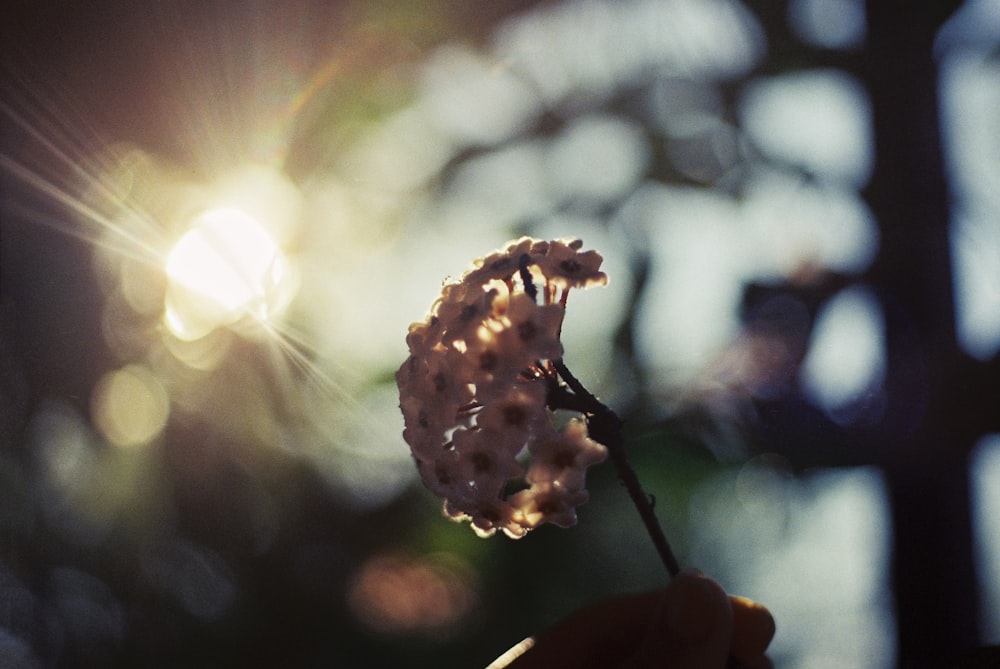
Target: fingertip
{"x": 693, "y": 628}
{"x": 695, "y": 606}
{"x": 753, "y": 628}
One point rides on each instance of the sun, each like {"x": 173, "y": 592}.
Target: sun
{"x": 224, "y": 270}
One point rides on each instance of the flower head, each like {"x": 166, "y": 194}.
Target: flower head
{"x": 474, "y": 390}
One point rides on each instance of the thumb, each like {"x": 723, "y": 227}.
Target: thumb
{"x": 693, "y": 628}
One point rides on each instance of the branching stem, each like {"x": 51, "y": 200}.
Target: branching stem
{"x": 606, "y": 428}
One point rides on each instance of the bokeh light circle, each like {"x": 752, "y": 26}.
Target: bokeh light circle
{"x": 130, "y": 406}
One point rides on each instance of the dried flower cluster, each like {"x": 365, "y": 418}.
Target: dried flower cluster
{"x": 475, "y": 391}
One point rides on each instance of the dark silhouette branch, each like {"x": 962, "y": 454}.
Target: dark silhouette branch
{"x": 606, "y": 428}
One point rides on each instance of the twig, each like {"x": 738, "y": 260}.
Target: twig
{"x": 606, "y": 428}
{"x": 529, "y": 286}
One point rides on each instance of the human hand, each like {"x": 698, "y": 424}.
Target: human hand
{"x": 694, "y": 624}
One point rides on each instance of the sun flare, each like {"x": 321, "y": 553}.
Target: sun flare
{"x": 224, "y": 269}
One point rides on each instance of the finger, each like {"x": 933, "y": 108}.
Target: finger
{"x": 753, "y": 630}
{"x": 693, "y": 629}
{"x": 597, "y": 637}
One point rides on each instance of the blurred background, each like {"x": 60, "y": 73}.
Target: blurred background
{"x": 219, "y": 218}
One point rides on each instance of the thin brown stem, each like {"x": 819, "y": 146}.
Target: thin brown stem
{"x": 606, "y": 428}
{"x": 529, "y": 286}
